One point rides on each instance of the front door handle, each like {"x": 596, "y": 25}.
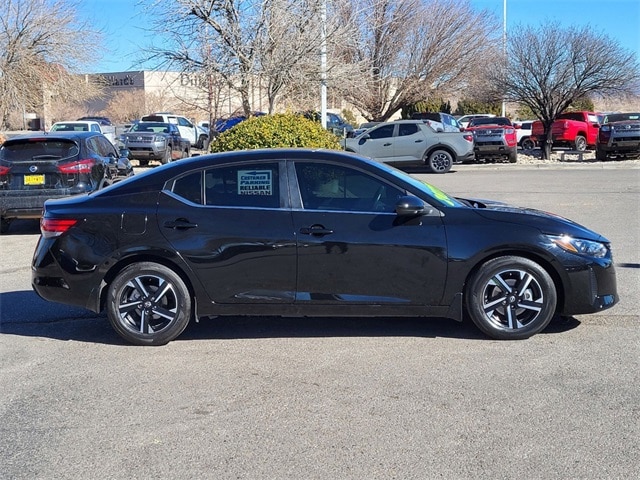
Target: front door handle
{"x": 316, "y": 230}
{"x": 386, "y": 144}
{"x": 180, "y": 224}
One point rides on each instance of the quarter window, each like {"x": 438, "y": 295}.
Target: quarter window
{"x": 249, "y": 185}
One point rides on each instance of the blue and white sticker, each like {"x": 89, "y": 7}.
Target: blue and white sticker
{"x": 255, "y": 182}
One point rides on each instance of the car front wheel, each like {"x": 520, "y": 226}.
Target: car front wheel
{"x": 511, "y": 298}
{"x": 439, "y": 161}
{"x": 148, "y": 304}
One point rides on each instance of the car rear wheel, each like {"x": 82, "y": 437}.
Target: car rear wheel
{"x": 513, "y": 157}
{"x": 439, "y": 161}
{"x": 148, "y": 304}
{"x": 202, "y": 140}
{"x": 581, "y": 143}
{"x": 4, "y": 224}
{"x": 527, "y": 144}
{"x": 511, "y": 298}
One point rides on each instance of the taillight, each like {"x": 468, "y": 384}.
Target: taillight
{"x": 81, "y": 166}
{"x": 468, "y": 137}
{"x": 54, "y": 227}
{"x": 4, "y": 170}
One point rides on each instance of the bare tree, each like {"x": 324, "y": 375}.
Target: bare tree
{"x": 240, "y": 42}
{"x": 39, "y": 55}
{"x": 409, "y": 50}
{"x": 550, "y": 67}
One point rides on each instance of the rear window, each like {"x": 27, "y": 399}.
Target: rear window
{"x": 38, "y": 149}
{"x": 152, "y": 118}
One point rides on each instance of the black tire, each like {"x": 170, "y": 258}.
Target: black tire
{"x": 135, "y": 312}
{"x": 511, "y": 298}
{"x": 439, "y": 161}
{"x": 4, "y": 224}
{"x": 202, "y": 140}
{"x": 513, "y": 156}
{"x": 527, "y": 144}
{"x": 166, "y": 156}
{"x": 601, "y": 156}
{"x": 143, "y": 163}
{"x": 580, "y": 143}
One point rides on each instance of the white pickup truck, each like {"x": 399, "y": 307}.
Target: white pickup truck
{"x": 85, "y": 126}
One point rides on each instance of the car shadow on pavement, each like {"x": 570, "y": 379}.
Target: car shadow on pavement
{"x": 23, "y": 313}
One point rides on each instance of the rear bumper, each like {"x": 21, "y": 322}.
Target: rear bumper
{"x": 27, "y": 203}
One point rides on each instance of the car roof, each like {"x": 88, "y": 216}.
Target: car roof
{"x": 52, "y": 136}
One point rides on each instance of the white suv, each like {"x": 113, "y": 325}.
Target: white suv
{"x": 188, "y": 130}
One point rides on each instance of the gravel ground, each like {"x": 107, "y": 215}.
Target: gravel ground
{"x": 532, "y": 157}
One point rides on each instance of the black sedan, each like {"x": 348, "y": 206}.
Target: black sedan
{"x": 311, "y": 233}
{"x": 39, "y": 166}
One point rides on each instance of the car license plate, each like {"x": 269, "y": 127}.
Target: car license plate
{"x": 34, "y": 179}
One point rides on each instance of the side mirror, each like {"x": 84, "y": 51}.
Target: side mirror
{"x": 410, "y": 206}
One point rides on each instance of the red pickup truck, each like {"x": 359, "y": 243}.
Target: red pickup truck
{"x": 577, "y": 130}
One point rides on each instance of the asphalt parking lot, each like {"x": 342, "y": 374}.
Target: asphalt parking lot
{"x": 292, "y": 398}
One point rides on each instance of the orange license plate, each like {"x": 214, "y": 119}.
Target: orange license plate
{"x": 34, "y": 179}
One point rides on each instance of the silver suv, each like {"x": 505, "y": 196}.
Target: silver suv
{"x": 413, "y": 142}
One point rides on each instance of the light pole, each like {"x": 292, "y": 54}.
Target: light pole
{"x": 323, "y": 64}
{"x": 504, "y": 49}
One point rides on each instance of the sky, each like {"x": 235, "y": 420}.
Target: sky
{"x": 126, "y": 34}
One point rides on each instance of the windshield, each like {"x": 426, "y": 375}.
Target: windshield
{"x": 489, "y": 121}
{"x": 435, "y": 193}
{"x": 621, "y": 117}
{"x": 154, "y": 127}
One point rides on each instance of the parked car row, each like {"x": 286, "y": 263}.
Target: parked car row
{"x": 39, "y": 166}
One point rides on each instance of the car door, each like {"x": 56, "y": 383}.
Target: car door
{"x": 187, "y": 130}
{"x": 353, "y": 248}
{"x": 230, "y": 225}
{"x": 378, "y": 143}
{"x": 410, "y": 143}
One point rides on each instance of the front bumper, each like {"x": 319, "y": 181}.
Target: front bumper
{"x": 621, "y": 147}
{"x": 591, "y": 288}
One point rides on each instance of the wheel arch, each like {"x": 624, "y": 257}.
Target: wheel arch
{"x": 441, "y": 146}
{"x": 534, "y": 257}
{"x": 113, "y": 272}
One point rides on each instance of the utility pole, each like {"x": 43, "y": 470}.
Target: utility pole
{"x": 323, "y": 64}
{"x": 504, "y": 49}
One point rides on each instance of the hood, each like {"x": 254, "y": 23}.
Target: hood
{"x": 546, "y": 222}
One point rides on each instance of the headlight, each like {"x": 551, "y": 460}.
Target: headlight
{"x": 580, "y": 246}
{"x": 159, "y": 139}
{"x": 605, "y": 128}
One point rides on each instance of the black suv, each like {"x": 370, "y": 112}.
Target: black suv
{"x": 619, "y": 136}
{"x": 36, "y": 167}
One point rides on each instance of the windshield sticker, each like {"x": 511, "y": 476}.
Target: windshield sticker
{"x": 255, "y": 182}
{"x": 440, "y": 195}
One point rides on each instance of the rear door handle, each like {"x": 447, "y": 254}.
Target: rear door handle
{"x": 180, "y": 224}
{"x": 386, "y": 144}
{"x": 316, "y": 230}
